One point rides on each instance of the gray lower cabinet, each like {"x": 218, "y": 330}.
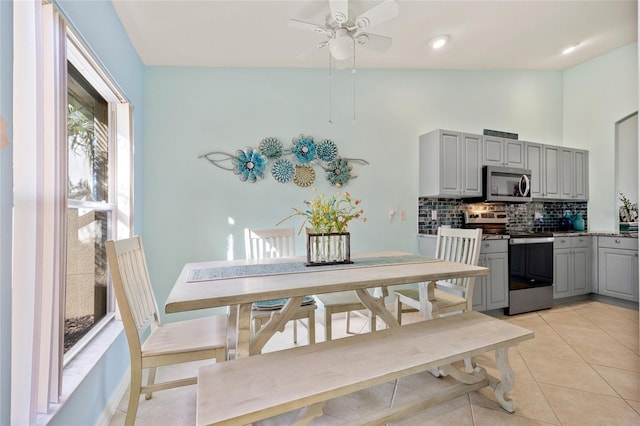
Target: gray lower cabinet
{"x": 492, "y": 291}
{"x": 618, "y": 267}
{"x": 571, "y": 266}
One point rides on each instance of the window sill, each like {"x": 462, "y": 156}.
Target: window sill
{"x": 82, "y": 364}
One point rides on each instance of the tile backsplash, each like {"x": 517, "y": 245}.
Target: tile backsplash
{"x": 523, "y": 217}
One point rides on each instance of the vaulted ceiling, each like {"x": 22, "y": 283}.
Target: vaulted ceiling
{"x": 507, "y": 34}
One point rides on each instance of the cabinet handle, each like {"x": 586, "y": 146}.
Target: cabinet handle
{"x": 563, "y": 241}
{"x": 617, "y": 241}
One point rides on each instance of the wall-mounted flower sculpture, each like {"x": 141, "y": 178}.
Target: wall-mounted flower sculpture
{"x": 250, "y": 164}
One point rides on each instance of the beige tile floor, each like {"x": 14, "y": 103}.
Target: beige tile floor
{"x": 582, "y": 368}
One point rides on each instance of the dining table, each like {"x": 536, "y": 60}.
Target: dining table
{"x": 237, "y": 284}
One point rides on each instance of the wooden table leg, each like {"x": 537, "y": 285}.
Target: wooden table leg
{"x": 243, "y": 334}
{"x": 507, "y": 377}
{"x": 376, "y": 306}
{"x": 277, "y": 322}
{"x": 232, "y": 331}
{"x": 427, "y": 292}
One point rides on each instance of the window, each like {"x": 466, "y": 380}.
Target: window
{"x": 89, "y": 210}
{"x": 95, "y": 132}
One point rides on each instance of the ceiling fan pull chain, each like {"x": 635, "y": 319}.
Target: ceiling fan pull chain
{"x": 330, "y": 105}
{"x": 353, "y": 73}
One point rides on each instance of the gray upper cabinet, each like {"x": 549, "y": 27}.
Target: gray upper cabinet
{"x": 574, "y": 180}
{"x": 544, "y": 161}
{"x": 450, "y": 164}
{"x": 502, "y": 152}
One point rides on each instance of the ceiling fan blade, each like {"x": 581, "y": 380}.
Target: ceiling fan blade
{"x": 306, "y": 26}
{"x": 339, "y": 10}
{"x": 311, "y": 52}
{"x": 373, "y": 42}
{"x": 378, "y": 14}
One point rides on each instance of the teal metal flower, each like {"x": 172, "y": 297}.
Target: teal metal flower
{"x": 304, "y": 149}
{"x": 271, "y": 148}
{"x": 327, "y": 150}
{"x": 282, "y": 170}
{"x": 249, "y": 164}
{"x": 339, "y": 172}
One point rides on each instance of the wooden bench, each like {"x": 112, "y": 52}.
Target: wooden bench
{"x": 249, "y": 389}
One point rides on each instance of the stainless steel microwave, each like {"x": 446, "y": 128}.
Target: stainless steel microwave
{"x": 506, "y": 184}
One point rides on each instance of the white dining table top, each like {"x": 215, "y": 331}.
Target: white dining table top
{"x": 189, "y": 295}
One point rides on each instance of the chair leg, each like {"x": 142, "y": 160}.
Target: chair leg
{"x": 150, "y": 381}
{"x": 134, "y": 395}
{"x": 398, "y": 309}
{"x": 312, "y": 327}
{"x": 295, "y": 332}
{"x": 327, "y": 324}
{"x": 348, "y": 318}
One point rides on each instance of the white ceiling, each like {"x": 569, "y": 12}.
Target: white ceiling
{"x": 506, "y": 34}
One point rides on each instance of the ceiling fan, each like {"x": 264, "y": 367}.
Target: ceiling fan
{"x": 345, "y": 32}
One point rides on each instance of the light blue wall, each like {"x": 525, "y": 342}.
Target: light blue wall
{"x": 192, "y": 111}
{"x": 6, "y": 204}
{"x": 597, "y": 94}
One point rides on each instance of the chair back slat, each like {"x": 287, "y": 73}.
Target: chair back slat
{"x": 132, "y": 286}
{"x": 459, "y": 245}
{"x": 263, "y": 243}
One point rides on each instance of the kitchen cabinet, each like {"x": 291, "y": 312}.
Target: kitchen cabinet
{"x": 574, "y": 179}
{"x": 450, "y": 164}
{"x": 544, "y": 163}
{"x": 503, "y": 152}
{"x": 492, "y": 291}
{"x": 618, "y": 267}
{"x": 571, "y": 266}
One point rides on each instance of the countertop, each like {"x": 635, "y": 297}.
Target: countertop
{"x": 559, "y": 234}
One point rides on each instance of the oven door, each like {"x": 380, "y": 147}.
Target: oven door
{"x": 530, "y": 262}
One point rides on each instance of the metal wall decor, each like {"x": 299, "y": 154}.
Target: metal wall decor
{"x": 294, "y": 164}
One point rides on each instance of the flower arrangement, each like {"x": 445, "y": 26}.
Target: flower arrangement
{"x": 329, "y": 214}
{"x": 628, "y": 211}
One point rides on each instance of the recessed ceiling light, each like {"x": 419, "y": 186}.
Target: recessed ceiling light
{"x": 439, "y": 41}
{"x": 570, "y": 49}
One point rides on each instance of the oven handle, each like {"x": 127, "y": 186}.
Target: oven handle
{"x": 535, "y": 240}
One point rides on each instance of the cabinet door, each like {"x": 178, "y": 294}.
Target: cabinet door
{"x": 498, "y": 285}
{"x": 479, "y": 289}
{"x": 450, "y": 162}
{"x": 534, "y": 162}
{"x": 581, "y": 174}
{"x": 471, "y": 165}
{"x": 567, "y": 174}
{"x": 581, "y": 283}
{"x": 561, "y": 270}
{"x": 514, "y": 153}
{"x": 618, "y": 273}
{"x": 493, "y": 151}
{"x": 551, "y": 168}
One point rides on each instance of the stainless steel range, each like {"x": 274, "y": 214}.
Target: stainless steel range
{"x": 530, "y": 272}
{"x": 530, "y": 261}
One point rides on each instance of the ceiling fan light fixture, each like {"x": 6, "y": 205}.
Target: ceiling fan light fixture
{"x": 341, "y": 47}
{"x": 439, "y": 42}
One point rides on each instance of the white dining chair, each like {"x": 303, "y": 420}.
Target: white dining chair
{"x": 165, "y": 344}
{"x": 266, "y": 243}
{"x": 457, "y": 245}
